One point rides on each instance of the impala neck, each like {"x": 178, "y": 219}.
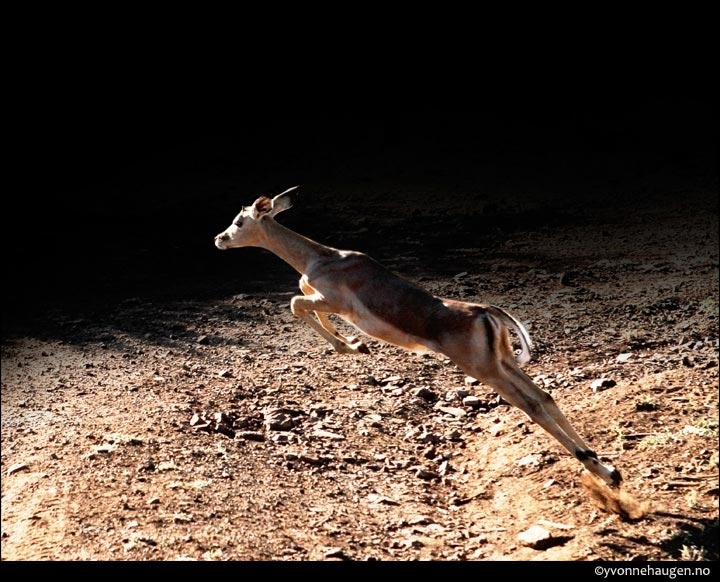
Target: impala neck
{"x": 296, "y": 250}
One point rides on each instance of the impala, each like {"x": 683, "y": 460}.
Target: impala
{"x": 391, "y": 309}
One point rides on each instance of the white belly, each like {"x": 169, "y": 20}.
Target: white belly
{"x": 380, "y": 330}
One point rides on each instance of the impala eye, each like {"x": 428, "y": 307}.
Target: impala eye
{"x": 238, "y": 222}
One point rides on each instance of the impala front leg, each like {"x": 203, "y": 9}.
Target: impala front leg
{"x": 302, "y": 306}
{"x": 324, "y": 320}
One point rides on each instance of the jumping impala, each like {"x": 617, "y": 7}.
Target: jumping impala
{"x": 388, "y": 308}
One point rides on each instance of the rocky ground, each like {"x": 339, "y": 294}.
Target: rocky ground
{"x": 215, "y": 426}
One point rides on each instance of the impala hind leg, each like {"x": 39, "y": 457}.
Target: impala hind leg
{"x": 518, "y": 389}
{"x": 303, "y": 306}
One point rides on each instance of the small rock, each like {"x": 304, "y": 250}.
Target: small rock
{"x": 456, "y": 412}
{"x": 426, "y": 394}
{"x": 310, "y": 460}
{"x": 393, "y": 381}
{"x": 279, "y": 420}
{"x": 335, "y": 553}
{"x": 199, "y": 422}
{"x": 326, "y": 434}
{"x": 223, "y": 424}
{"x": 17, "y": 467}
{"x": 452, "y": 395}
{"x": 250, "y": 435}
{"x": 472, "y": 401}
{"x": 419, "y": 520}
{"x": 455, "y": 435}
{"x": 496, "y": 429}
{"x": 153, "y": 501}
{"x": 375, "y": 498}
{"x": 426, "y": 474}
{"x": 470, "y": 381}
{"x": 203, "y": 339}
{"x": 536, "y": 537}
{"x": 225, "y": 374}
{"x": 528, "y": 461}
{"x": 602, "y": 384}
{"x": 622, "y": 358}
{"x": 282, "y": 437}
{"x": 428, "y": 437}
{"x": 147, "y": 467}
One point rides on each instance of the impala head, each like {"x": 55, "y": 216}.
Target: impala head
{"x": 246, "y": 227}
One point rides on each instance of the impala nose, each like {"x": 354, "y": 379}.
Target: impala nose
{"x": 221, "y": 239}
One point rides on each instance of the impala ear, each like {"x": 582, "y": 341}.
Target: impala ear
{"x": 284, "y": 200}
{"x": 266, "y": 206}
{"x": 262, "y": 205}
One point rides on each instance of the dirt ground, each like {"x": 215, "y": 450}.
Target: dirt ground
{"x": 218, "y": 427}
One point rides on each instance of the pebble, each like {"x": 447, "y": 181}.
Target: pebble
{"x": 472, "y": 401}
{"x": 457, "y": 412}
{"x": 277, "y": 420}
{"x": 326, "y": 434}
{"x": 426, "y": 474}
{"x": 17, "y": 467}
{"x": 426, "y": 394}
{"x": 335, "y": 553}
{"x": 496, "y": 429}
{"x": 602, "y": 384}
{"x": 536, "y": 537}
{"x": 250, "y": 435}
{"x": 528, "y": 461}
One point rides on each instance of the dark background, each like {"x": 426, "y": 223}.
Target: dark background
{"x": 120, "y": 195}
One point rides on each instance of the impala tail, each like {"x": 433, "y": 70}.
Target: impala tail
{"x": 525, "y": 354}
